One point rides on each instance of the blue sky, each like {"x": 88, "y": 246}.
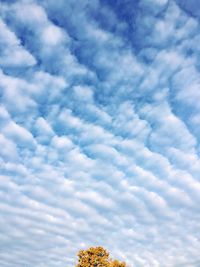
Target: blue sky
{"x": 100, "y": 131}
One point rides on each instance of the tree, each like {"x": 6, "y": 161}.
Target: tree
{"x": 97, "y": 257}
{"x": 116, "y": 263}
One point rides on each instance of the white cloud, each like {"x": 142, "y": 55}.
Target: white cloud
{"x": 43, "y": 127}
{"x": 13, "y": 54}
{"x": 8, "y": 149}
{"x": 52, "y": 35}
{"x": 62, "y": 143}
{"x": 18, "y": 134}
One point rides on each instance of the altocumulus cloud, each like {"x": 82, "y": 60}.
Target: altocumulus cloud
{"x": 100, "y": 126}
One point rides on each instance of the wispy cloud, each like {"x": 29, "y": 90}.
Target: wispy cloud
{"x": 99, "y": 120}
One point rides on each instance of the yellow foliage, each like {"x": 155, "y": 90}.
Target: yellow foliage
{"x": 97, "y": 257}
{"x": 116, "y": 263}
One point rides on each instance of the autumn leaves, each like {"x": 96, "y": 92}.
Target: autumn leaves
{"x": 97, "y": 257}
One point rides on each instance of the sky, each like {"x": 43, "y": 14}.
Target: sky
{"x": 100, "y": 131}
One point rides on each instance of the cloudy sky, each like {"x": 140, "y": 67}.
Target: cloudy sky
{"x": 100, "y": 131}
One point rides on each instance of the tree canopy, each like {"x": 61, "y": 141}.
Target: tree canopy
{"x": 97, "y": 257}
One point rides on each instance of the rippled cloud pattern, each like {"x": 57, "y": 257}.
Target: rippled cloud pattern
{"x": 100, "y": 131}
